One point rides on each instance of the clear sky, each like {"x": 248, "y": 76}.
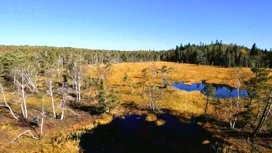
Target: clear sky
{"x": 135, "y": 24}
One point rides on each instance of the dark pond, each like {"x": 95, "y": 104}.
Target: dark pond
{"x": 221, "y": 91}
{"x": 134, "y": 135}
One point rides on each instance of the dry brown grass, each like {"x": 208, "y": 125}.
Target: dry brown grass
{"x": 176, "y": 101}
{"x": 151, "y": 117}
{"x": 180, "y": 102}
{"x": 160, "y": 122}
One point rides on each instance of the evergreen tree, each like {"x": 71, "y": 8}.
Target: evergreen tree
{"x": 209, "y": 91}
{"x": 113, "y": 99}
{"x": 102, "y": 97}
{"x": 254, "y": 50}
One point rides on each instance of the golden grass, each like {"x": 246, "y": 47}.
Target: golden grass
{"x": 178, "y": 102}
{"x": 181, "y": 102}
{"x": 160, "y": 122}
{"x": 181, "y": 72}
{"x": 151, "y": 117}
{"x": 105, "y": 119}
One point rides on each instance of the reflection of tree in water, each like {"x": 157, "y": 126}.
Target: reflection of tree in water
{"x": 221, "y": 86}
{"x": 223, "y": 90}
{"x": 220, "y": 90}
{"x": 126, "y": 135}
{"x": 198, "y": 85}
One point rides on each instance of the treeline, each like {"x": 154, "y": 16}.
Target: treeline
{"x": 41, "y": 56}
{"x": 217, "y": 54}
{"x": 220, "y": 54}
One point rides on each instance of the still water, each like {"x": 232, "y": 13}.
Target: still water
{"x": 221, "y": 91}
{"x": 135, "y": 135}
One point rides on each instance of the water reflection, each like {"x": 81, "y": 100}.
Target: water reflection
{"x": 221, "y": 91}
{"x": 134, "y": 135}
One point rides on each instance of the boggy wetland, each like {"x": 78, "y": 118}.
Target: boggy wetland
{"x": 71, "y": 105}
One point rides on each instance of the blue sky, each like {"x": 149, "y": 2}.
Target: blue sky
{"x": 135, "y": 24}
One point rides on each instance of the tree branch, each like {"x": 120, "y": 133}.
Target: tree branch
{"x": 73, "y": 111}
{"x": 27, "y": 131}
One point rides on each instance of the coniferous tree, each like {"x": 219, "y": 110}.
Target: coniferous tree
{"x": 209, "y": 92}
{"x": 102, "y": 97}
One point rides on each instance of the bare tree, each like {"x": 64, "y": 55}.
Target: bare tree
{"x": 103, "y": 71}
{"x": 154, "y": 70}
{"x": 155, "y": 94}
{"x": 49, "y": 90}
{"x": 64, "y": 100}
{"x": 25, "y": 79}
{"x": 238, "y": 75}
{"x": 264, "y": 116}
{"x": 76, "y": 73}
{"x": 232, "y": 117}
{"x": 59, "y": 64}
{"x": 5, "y": 101}
{"x": 27, "y": 131}
{"x": 43, "y": 116}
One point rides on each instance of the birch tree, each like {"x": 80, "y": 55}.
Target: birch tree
{"x": 76, "y": 73}
{"x": 49, "y": 90}
{"x": 63, "y": 101}
{"x": 43, "y": 116}
{"x": 238, "y": 76}
{"x": 5, "y": 102}
{"x": 25, "y": 78}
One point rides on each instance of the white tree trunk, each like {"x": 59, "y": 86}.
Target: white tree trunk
{"x": 5, "y": 101}
{"x": 79, "y": 90}
{"x": 43, "y": 115}
{"x": 42, "y": 127}
{"x": 233, "y": 122}
{"x": 53, "y": 106}
{"x": 62, "y": 114}
{"x": 24, "y": 102}
{"x": 25, "y": 82}
{"x": 51, "y": 94}
{"x": 27, "y": 131}
{"x": 76, "y": 74}
{"x": 22, "y": 109}
{"x": 230, "y": 113}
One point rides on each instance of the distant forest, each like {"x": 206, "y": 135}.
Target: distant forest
{"x": 217, "y": 54}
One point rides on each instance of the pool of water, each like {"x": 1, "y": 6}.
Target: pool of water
{"x": 221, "y": 91}
{"x": 135, "y": 135}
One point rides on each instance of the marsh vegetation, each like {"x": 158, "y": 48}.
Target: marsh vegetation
{"x": 72, "y": 91}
